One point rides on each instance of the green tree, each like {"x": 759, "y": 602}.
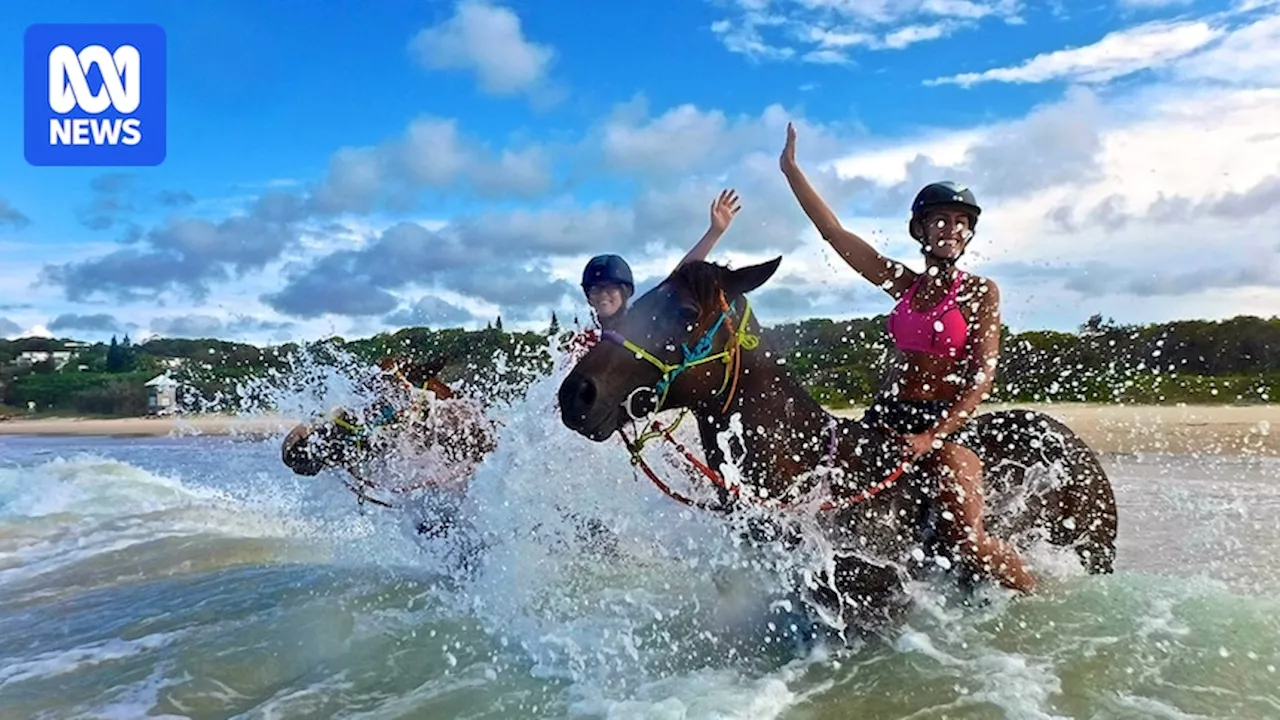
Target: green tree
{"x": 115, "y": 357}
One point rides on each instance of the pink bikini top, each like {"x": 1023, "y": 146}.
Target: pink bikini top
{"x": 941, "y": 330}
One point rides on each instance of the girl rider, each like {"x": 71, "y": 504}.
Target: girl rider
{"x": 609, "y": 285}
{"x": 946, "y": 324}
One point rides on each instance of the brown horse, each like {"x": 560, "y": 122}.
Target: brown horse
{"x": 416, "y": 415}
{"x": 436, "y": 432}
{"x": 692, "y": 342}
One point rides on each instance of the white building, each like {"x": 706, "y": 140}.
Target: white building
{"x": 162, "y": 395}
{"x": 31, "y": 357}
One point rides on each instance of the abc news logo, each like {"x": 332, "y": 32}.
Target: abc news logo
{"x": 69, "y": 89}
{"x": 95, "y": 95}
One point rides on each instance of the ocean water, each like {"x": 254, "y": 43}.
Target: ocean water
{"x": 196, "y": 577}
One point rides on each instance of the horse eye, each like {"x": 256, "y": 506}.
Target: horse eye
{"x": 687, "y": 313}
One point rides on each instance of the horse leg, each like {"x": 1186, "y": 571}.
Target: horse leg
{"x": 859, "y": 594}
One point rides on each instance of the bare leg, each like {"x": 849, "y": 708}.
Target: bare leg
{"x": 961, "y": 472}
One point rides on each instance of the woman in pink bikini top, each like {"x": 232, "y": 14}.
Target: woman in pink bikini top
{"x": 946, "y": 324}
{"x": 942, "y": 330}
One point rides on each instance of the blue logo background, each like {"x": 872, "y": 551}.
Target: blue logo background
{"x": 149, "y": 39}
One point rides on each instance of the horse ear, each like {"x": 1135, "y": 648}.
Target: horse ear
{"x": 745, "y": 279}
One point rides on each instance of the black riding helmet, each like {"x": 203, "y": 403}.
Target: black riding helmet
{"x": 940, "y": 194}
{"x": 608, "y": 269}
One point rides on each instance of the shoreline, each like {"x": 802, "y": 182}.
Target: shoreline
{"x": 1110, "y": 429}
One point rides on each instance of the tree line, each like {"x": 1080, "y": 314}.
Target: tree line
{"x": 841, "y": 363}
{"x": 1194, "y": 361}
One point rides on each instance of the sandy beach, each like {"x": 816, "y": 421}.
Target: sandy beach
{"x": 1176, "y": 429}
{"x": 211, "y": 424}
{"x": 1202, "y": 429}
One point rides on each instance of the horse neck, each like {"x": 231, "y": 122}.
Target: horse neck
{"x": 784, "y": 431}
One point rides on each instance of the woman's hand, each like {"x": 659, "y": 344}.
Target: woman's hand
{"x": 723, "y": 210}
{"x": 788, "y": 159}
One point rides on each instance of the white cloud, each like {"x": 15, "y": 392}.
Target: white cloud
{"x": 1249, "y": 55}
{"x": 1119, "y": 53}
{"x": 1143, "y": 202}
{"x": 432, "y": 153}
{"x": 689, "y": 139}
{"x": 825, "y": 31}
{"x": 912, "y": 34}
{"x": 679, "y": 140}
{"x": 489, "y": 40}
{"x": 36, "y": 331}
{"x": 1152, "y": 4}
{"x": 888, "y": 164}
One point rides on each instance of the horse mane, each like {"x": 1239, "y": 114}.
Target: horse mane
{"x": 703, "y": 279}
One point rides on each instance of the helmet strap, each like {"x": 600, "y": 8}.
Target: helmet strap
{"x": 944, "y": 264}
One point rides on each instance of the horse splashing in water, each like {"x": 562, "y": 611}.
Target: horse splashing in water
{"x": 419, "y": 435}
{"x": 693, "y": 342}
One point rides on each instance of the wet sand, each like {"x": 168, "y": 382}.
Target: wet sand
{"x": 1190, "y": 429}
{"x": 1176, "y": 429}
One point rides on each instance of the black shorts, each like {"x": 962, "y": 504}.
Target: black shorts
{"x": 906, "y": 417}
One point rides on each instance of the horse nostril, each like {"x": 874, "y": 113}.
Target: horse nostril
{"x": 577, "y": 396}
{"x": 586, "y": 393}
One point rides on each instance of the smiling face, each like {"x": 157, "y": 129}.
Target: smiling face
{"x": 946, "y": 231}
{"x": 606, "y": 298}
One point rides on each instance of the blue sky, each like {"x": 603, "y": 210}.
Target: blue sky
{"x": 442, "y": 162}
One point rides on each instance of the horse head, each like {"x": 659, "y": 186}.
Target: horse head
{"x": 347, "y": 437}
{"x": 679, "y": 346}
